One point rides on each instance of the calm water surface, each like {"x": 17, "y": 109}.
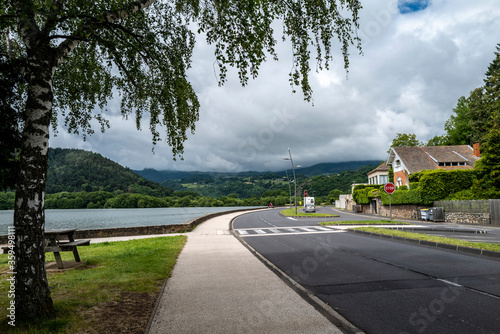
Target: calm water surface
{"x": 84, "y": 219}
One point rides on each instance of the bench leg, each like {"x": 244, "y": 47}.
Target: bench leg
{"x": 60, "y": 264}
{"x": 75, "y": 253}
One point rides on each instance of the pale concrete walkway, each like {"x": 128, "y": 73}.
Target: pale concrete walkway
{"x": 219, "y": 286}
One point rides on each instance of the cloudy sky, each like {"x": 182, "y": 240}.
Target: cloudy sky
{"x": 418, "y": 58}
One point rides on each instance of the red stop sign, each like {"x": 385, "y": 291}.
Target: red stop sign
{"x": 389, "y": 187}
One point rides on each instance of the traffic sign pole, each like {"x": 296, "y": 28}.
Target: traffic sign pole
{"x": 389, "y": 188}
{"x": 390, "y": 208}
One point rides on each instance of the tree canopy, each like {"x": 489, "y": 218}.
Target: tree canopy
{"x": 405, "y": 139}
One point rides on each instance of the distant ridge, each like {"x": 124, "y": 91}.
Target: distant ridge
{"x": 334, "y": 167}
{"x": 326, "y": 168}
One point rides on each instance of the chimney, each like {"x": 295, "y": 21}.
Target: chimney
{"x": 475, "y": 147}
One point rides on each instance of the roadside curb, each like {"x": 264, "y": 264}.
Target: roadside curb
{"x": 454, "y": 230}
{"x": 332, "y": 216}
{"x": 469, "y": 250}
{"x": 328, "y": 312}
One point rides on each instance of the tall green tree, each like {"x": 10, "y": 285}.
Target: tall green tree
{"x": 488, "y": 167}
{"x": 79, "y": 54}
{"x": 491, "y": 80}
{"x": 479, "y": 114}
{"x": 458, "y": 129}
{"x": 484, "y": 102}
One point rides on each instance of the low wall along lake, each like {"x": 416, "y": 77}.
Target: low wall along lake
{"x": 86, "y": 219}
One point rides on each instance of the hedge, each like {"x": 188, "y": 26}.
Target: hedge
{"x": 400, "y": 197}
{"x": 436, "y": 185}
{"x": 363, "y": 194}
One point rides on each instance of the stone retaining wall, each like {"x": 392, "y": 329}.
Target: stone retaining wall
{"x": 144, "y": 230}
{"x": 468, "y": 218}
{"x": 409, "y": 211}
{"x": 412, "y": 212}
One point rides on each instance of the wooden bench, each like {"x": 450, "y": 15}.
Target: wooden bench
{"x": 61, "y": 246}
{"x": 54, "y": 244}
{"x": 66, "y": 247}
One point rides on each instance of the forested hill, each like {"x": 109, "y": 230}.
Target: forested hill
{"x": 319, "y": 180}
{"x": 328, "y": 168}
{"x": 74, "y": 170}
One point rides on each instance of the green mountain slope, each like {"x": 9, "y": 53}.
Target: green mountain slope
{"x": 319, "y": 180}
{"x": 334, "y": 168}
{"x": 160, "y": 176}
{"x": 74, "y": 170}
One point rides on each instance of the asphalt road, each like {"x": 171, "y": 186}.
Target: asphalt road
{"x": 379, "y": 285}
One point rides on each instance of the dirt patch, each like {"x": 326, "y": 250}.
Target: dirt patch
{"x": 130, "y": 314}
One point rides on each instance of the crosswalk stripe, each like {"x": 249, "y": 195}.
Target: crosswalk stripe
{"x": 285, "y": 230}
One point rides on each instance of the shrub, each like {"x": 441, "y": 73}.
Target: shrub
{"x": 363, "y": 194}
{"x": 401, "y": 197}
{"x": 436, "y": 185}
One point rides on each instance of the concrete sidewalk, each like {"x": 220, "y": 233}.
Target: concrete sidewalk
{"x": 219, "y": 286}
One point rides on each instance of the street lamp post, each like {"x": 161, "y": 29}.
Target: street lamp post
{"x": 294, "y": 179}
{"x": 289, "y": 188}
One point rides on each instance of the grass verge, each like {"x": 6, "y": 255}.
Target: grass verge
{"x": 94, "y": 297}
{"x": 291, "y": 213}
{"x": 432, "y": 238}
{"x": 365, "y": 222}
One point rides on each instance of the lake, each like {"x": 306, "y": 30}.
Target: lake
{"x": 84, "y": 219}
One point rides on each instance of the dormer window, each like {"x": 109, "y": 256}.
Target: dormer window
{"x": 448, "y": 164}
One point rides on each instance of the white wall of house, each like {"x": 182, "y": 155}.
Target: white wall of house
{"x": 378, "y": 178}
{"x": 341, "y": 203}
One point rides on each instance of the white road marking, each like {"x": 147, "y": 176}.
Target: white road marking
{"x": 287, "y": 231}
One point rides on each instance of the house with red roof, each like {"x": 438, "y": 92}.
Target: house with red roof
{"x": 409, "y": 160}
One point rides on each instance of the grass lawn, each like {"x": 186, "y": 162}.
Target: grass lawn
{"x": 300, "y": 213}
{"x": 365, "y": 222}
{"x": 422, "y": 236}
{"x": 116, "y": 288}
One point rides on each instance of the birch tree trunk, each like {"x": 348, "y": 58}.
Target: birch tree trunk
{"x": 32, "y": 292}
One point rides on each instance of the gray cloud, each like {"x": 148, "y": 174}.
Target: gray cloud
{"x": 413, "y": 70}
